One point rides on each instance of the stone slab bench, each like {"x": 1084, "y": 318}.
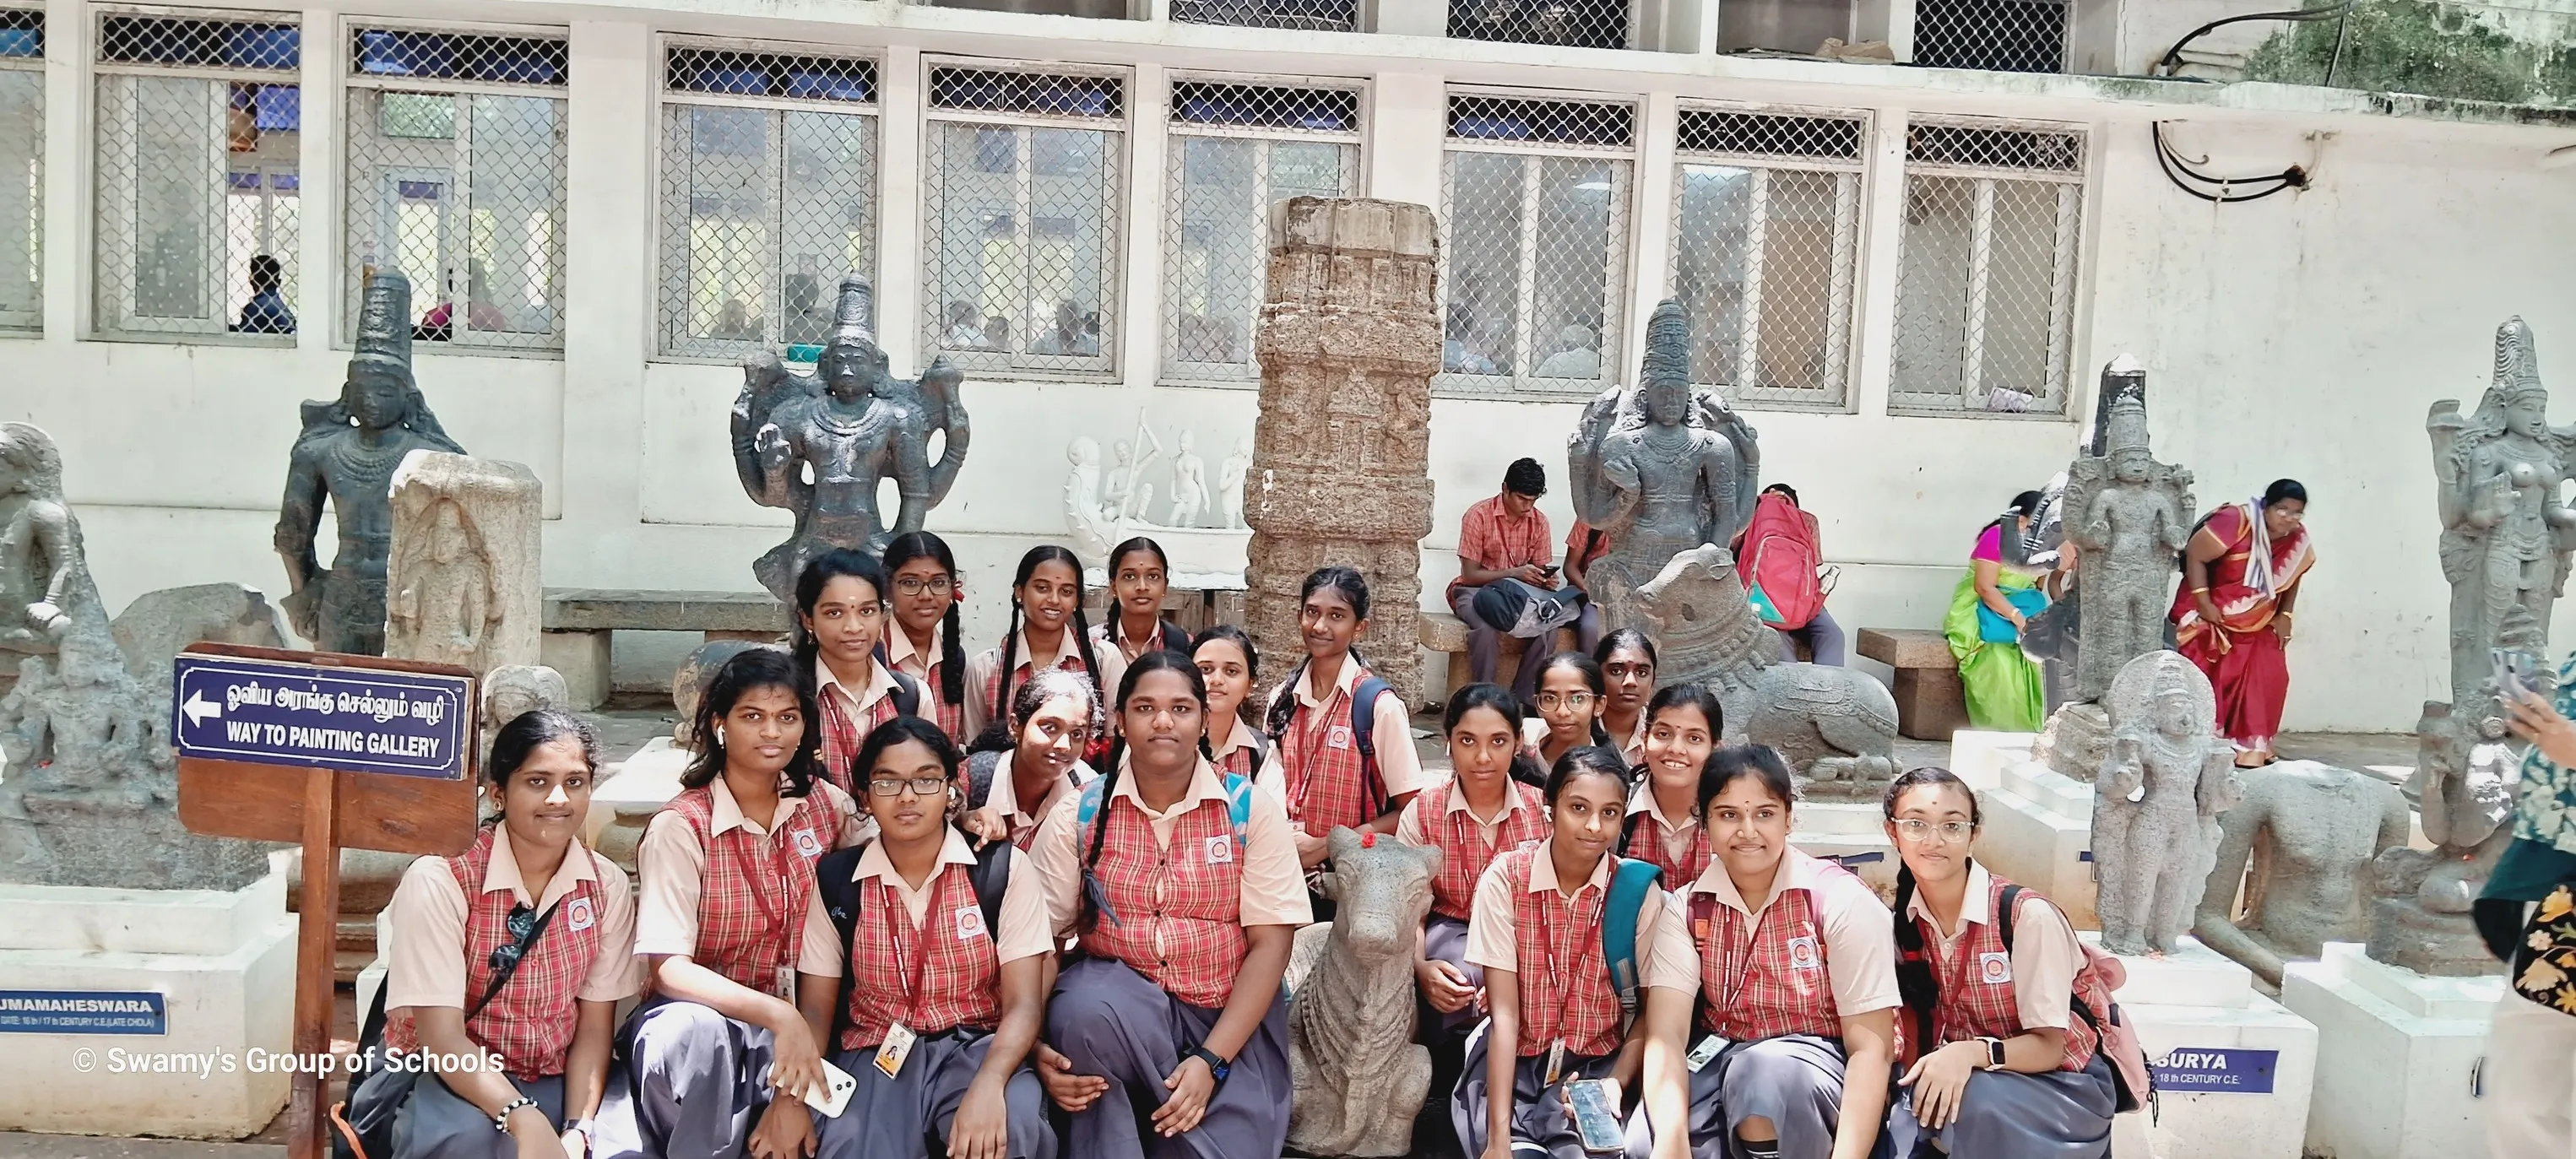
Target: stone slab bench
{"x": 578, "y": 624}
{"x": 1445, "y": 632}
{"x": 1930, "y": 702}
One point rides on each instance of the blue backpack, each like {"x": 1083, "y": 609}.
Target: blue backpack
{"x": 1238, "y": 809}
{"x": 1630, "y": 883}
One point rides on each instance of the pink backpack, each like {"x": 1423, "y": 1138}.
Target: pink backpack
{"x": 2098, "y": 978}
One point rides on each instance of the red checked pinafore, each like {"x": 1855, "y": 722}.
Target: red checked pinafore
{"x": 1977, "y": 997}
{"x": 1765, "y": 977}
{"x": 530, "y": 1022}
{"x": 751, "y": 899}
{"x": 1179, "y": 907}
{"x": 943, "y": 975}
{"x": 1461, "y": 841}
{"x": 1564, "y": 984}
{"x": 1319, "y": 759}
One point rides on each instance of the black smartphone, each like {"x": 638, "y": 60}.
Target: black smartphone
{"x": 1547, "y": 569}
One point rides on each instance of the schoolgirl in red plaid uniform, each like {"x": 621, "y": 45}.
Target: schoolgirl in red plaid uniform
{"x": 1231, "y": 666}
{"x": 943, "y": 1000}
{"x": 2010, "y": 1068}
{"x": 1536, "y": 932}
{"x": 1184, "y": 890}
{"x": 1797, "y": 976}
{"x": 841, "y": 620}
{"x": 1316, "y": 763}
{"x": 1682, "y": 724}
{"x": 923, "y": 644}
{"x": 726, "y": 869}
{"x": 1483, "y": 812}
{"x": 1048, "y": 630}
{"x": 525, "y": 896}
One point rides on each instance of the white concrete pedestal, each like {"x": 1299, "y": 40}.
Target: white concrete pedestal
{"x": 1848, "y": 829}
{"x": 1980, "y": 756}
{"x": 2039, "y": 832}
{"x": 2402, "y": 1054}
{"x": 2192, "y": 1009}
{"x": 224, "y": 967}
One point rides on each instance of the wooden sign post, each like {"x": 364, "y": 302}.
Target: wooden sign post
{"x": 334, "y": 752}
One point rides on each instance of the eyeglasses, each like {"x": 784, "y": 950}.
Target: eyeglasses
{"x": 1951, "y": 832}
{"x": 505, "y": 956}
{"x": 922, "y": 786}
{"x": 913, "y": 585}
{"x": 1548, "y": 700}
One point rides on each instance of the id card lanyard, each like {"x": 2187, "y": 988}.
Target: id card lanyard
{"x": 773, "y": 921}
{"x": 1555, "y": 968}
{"x": 899, "y": 1037}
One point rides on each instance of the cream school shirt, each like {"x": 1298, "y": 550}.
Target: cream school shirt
{"x": 1663, "y": 932}
{"x": 425, "y": 965}
{"x": 1399, "y": 767}
{"x": 674, "y": 866}
{"x": 1273, "y": 889}
{"x": 1023, "y": 932}
{"x": 980, "y": 670}
{"x": 2045, "y": 952}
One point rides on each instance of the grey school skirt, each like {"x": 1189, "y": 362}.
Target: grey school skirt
{"x": 1111, "y": 1021}
{"x": 1540, "y": 1126}
{"x": 435, "y": 1124}
{"x": 2003, "y": 1114}
{"x": 1795, "y": 1081}
{"x": 902, "y": 1117}
{"x": 1445, "y": 940}
{"x": 693, "y": 1084}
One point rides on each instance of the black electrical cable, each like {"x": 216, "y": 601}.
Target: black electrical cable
{"x": 2177, "y": 170}
{"x": 2173, "y": 56}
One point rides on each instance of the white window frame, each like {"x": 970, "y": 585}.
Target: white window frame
{"x": 1968, "y": 396}
{"x": 1851, "y": 212}
{"x": 112, "y": 318}
{"x": 1174, "y": 370}
{"x": 455, "y": 242}
{"x": 672, "y": 346}
{"x": 1122, "y": 129}
{"x": 1615, "y": 293}
{"x": 32, "y": 320}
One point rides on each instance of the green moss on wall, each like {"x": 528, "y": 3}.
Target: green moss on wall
{"x": 2418, "y": 47}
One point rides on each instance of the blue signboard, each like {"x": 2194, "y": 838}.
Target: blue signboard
{"x": 279, "y": 712}
{"x": 82, "y": 1012}
{"x": 2216, "y": 1070}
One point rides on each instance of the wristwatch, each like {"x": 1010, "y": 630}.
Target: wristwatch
{"x": 1994, "y": 1053}
{"x": 1217, "y": 1067}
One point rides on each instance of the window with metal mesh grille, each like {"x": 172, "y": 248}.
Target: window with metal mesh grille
{"x": 769, "y": 176}
{"x": 1236, "y": 149}
{"x": 1327, "y": 15}
{"x": 1020, "y": 261}
{"x": 22, "y": 169}
{"x": 456, "y": 179}
{"x": 1766, "y": 237}
{"x": 1986, "y": 267}
{"x": 2002, "y": 35}
{"x": 196, "y": 189}
{"x": 1574, "y": 23}
{"x": 1534, "y": 266}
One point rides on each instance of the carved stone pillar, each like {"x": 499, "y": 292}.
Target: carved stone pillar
{"x": 1348, "y": 343}
{"x": 464, "y": 584}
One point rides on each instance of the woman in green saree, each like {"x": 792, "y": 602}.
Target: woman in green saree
{"x": 1984, "y": 626}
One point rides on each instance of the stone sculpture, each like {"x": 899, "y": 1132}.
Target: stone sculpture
{"x": 1836, "y": 726}
{"x": 1189, "y": 484}
{"x": 1126, "y": 491}
{"x": 1199, "y": 556}
{"x": 1229, "y": 482}
{"x": 2156, "y": 803}
{"x": 466, "y": 585}
{"x": 849, "y": 425}
{"x": 1661, "y": 470}
{"x": 2128, "y": 517}
{"x": 514, "y": 690}
{"x": 2506, "y": 537}
{"x": 2464, "y": 785}
{"x": 157, "y": 626}
{"x": 1358, "y": 1075}
{"x": 2308, "y": 832}
{"x": 1348, "y": 342}
{"x": 90, "y": 793}
{"x": 347, "y": 455}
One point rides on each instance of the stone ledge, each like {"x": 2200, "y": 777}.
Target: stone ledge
{"x": 614, "y": 609}
{"x": 1442, "y": 632}
{"x": 1907, "y": 647}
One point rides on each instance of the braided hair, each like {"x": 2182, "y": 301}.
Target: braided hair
{"x": 1081, "y": 626}
{"x": 1168, "y": 634}
{"x": 1354, "y": 590}
{"x": 1158, "y": 660}
{"x": 904, "y": 549}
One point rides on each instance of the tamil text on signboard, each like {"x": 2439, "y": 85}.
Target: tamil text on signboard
{"x": 284, "y": 713}
{"x": 2217, "y": 1069}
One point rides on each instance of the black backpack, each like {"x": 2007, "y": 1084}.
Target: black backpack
{"x": 991, "y": 876}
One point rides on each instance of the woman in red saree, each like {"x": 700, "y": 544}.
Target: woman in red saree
{"x": 2240, "y": 574}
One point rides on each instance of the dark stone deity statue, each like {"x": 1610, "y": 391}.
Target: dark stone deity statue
{"x": 818, "y": 445}
{"x": 1662, "y": 469}
{"x": 347, "y": 455}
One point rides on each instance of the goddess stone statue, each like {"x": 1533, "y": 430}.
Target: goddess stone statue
{"x": 850, "y": 424}
{"x": 2157, "y": 801}
{"x": 2506, "y": 537}
{"x": 2128, "y": 516}
{"x": 347, "y": 454}
{"x": 1661, "y": 470}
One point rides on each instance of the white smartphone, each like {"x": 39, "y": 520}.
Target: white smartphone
{"x": 835, "y": 1093}
{"x": 1595, "y": 1120}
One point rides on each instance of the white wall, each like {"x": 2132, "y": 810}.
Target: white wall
{"x": 2302, "y": 335}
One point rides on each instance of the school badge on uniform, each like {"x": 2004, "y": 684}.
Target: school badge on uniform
{"x": 1803, "y": 955}
{"x": 1220, "y": 850}
{"x": 1995, "y": 969}
{"x": 970, "y": 922}
{"x": 806, "y": 845}
{"x": 1339, "y": 737}
{"x": 577, "y": 913}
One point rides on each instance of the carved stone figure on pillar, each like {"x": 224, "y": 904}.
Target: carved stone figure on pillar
{"x": 347, "y": 455}
{"x": 2128, "y": 516}
{"x": 2506, "y": 537}
{"x": 2157, "y": 801}
{"x": 849, "y": 425}
{"x": 466, "y": 579}
{"x": 1660, "y": 470}
{"x": 2307, "y": 832}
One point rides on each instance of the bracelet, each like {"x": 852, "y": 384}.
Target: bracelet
{"x": 501, "y": 1122}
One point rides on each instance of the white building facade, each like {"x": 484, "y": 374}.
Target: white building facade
{"x": 1907, "y": 276}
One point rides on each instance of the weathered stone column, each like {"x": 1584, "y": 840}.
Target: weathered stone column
{"x": 1348, "y": 343}
{"x": 464, "y": 584}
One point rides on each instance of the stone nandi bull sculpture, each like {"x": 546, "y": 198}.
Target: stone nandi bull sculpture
{"x": 1358, "y": 1075}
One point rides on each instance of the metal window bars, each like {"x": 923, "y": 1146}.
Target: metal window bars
{"x": 456, "y": 178}
{"x": 1534, "y": 262}
{"x": 1325, "y": 15}
{"x": 769, "y": 175}
{"x": 1986, "y": 266}
{"x": 196, "y": 138}
{"x": 22, "y": 169}
{"x": 1572, "y": 23}
{"x": 1022, "y": 214}
{"x": 1766, "y": 240}
{"x": 1237, "y": 149}
{"x": 2001, "y": 35}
